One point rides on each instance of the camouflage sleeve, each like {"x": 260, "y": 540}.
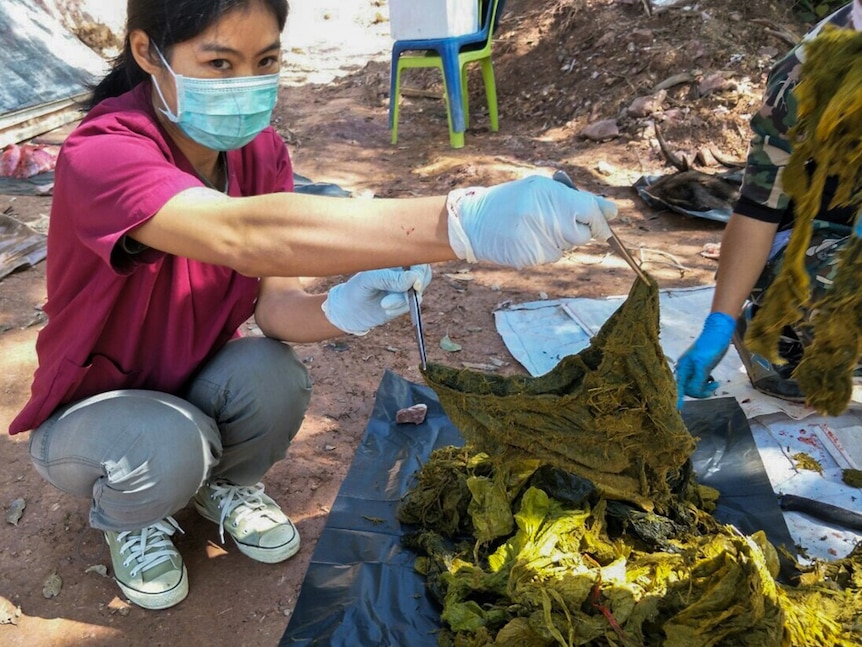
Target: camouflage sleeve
{"x": 762, "y": 195}
{"x": 769, "y": 148}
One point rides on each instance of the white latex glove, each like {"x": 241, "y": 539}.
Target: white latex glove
{"x": 373, "y": 298}
{"x": 525, "y": 222}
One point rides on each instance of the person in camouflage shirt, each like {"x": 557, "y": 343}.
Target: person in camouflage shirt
{"x": 755, "y": 238}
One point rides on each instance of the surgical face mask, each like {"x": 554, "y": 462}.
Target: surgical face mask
{"x": 221, "y": 114}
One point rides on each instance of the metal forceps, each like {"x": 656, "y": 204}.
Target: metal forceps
{"x": 613, "y": 242}
{"x": 416, "y": 318}
{"x": 617, "y": 245}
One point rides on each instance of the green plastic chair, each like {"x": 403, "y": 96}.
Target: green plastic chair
{"x": 451, "y": 56}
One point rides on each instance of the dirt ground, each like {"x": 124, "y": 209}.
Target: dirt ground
{"x": 561, "y": 65}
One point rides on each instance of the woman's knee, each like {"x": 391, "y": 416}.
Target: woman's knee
{"x": 140, "y": 449}
{"x": 274, "y": 364}
{"x": 254, "y": 376}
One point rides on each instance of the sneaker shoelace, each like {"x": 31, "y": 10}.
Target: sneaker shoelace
{"x": 149, "y": 546}
{"x": 232, "y": 497}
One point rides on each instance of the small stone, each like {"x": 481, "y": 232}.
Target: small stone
{"x": 603, "y": 168}
{"x": 715, "y": 83}
{"x": 414, "y": 415}
{"x": 647, "y": 105}
{"x": 601, "y": 130}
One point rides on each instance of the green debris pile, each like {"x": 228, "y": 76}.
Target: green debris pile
{"x": 571, "y": 517}
{"x": 523, "y": 555}
{"x": 608, "y": 413}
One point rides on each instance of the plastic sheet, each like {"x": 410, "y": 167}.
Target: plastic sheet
{"x": 643, "y": 184}
{"x": 41, "y": 184}
{"x": 361, "y": 589}
{"x": 20, "y": 246}
{"x": 302, "y": 184}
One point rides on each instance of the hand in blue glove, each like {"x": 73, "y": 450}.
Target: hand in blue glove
{"x": 525, "y": 222}
{"x": 693, "y": 368}
{"x": 373, "y": 298}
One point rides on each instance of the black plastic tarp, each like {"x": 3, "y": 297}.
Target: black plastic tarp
{"x": 361, "y": 589}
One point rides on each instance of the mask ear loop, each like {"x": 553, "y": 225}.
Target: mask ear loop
{"x": 166, "y": 111}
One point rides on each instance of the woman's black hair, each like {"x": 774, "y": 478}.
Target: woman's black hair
{"x": 168, "y": 22}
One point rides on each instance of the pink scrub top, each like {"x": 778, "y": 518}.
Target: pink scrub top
{"x": 146, "y": 320}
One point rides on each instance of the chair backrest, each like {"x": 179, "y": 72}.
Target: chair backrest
{"x": 491, "y": 10}
{"x": 491, "y": 14}
{"x": 478, "y": 40}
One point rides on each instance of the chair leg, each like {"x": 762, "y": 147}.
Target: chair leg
{"x": 454, "y": 95}
{"x": 456, "y": 139}
{"x": 491, "y": 93}
{"x": 466, "y": 97}
{"x": 394, "y": 99}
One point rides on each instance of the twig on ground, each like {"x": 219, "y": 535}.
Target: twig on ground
{"x": 514, "y": 162}
{"x": 670, "y": 156}
{"x": 725, "y": 160}
{"x": 674, "y": 262}
{"x": 671, "y": 81}
{"x": 781, "y": 33}
{"x": 420, "y": 93}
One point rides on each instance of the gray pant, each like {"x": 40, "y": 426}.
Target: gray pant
{"x": 141, "y": 455}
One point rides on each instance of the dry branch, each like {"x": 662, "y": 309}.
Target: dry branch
{"x": 670, "y": 156}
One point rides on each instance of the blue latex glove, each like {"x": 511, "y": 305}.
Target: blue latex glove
{"x": 693, "y": 368}
{"x": 373, "y": 298}
{"x": 525, "y": 222}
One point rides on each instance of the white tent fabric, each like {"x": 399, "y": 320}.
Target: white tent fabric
{"x": 43, "y": 67}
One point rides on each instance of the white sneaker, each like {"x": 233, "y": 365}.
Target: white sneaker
{"x": 147, "y": 566}
{"x": 258, "y": 526}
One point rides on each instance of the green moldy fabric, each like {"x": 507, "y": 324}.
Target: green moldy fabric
{"x": 607, "y": 413}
